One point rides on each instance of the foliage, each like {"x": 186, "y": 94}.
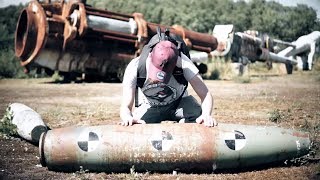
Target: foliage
{"x": 276, "y": 116}
{"x": 56, "y": 77}
{"x": 215, "y": 74}
{"x": 6, "y": 126}
{"x": 286, "y": 23}
{"x": 9, "y": 64}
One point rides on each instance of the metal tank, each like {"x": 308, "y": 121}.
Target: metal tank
{"x": 168, "y": 147}
{"x": 78, "y": 40}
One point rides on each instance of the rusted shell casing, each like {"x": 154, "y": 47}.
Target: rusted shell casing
{"x": 167, "y": 147}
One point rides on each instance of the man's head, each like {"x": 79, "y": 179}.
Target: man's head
{"x": 163, "y": 60}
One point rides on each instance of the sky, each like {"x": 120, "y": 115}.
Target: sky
{"x": 5, "y": 3}
{"x": 315, "y": 4}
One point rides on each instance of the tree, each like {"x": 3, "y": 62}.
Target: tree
{"x": 9, "y": 64}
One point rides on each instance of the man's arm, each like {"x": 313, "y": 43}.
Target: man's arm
{"x": 128, "y": 93}
{"x": 126, "y": 106}
{"x": 206, "y": 101}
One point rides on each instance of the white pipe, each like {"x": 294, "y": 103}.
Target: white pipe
{"x": 199, "y": 57}
{"x": 112, "y": 24}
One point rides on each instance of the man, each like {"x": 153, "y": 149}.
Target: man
{"x": 162, "y": 97}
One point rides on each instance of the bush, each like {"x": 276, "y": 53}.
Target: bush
{"x": 215, "y": 74}
{"x": 6, "y": 126}
{"x": 276, "y": 116}
{"x": 9, "y": 65}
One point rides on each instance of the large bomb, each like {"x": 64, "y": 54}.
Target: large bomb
{"x": 167, "y": 147}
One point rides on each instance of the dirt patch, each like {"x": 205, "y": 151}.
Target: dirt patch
{"x": 294, "y": 100}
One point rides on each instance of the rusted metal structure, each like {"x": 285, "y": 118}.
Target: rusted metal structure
{"x": 245, "y": 47}
{"x": 76, "y": 39}
{"x": 304, "y": 50}
{"x": 168, "y": 147}
{"x": 250, "y": 48}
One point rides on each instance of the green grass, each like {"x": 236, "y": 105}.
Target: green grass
{"x": 6, "y": 126}
{"x": 276, "y": 116}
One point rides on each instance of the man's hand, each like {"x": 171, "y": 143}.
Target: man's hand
{"x": 131, "y": 121}
{"x": 207, "y": 120}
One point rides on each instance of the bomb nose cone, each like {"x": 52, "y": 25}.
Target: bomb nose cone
{"x": 29, "y": 123}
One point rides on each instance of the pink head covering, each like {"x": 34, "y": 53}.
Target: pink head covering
{"x": 163, "y": 60}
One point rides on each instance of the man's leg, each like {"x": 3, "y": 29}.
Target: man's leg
{"x": 188, "y": 109}
{"x": 149, "y": 114}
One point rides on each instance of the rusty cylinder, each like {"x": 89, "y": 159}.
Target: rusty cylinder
{"x": 167, "y": 147}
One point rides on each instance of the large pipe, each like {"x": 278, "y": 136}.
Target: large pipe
{"x": 266, "y": 55}
{"x": 284, "y": 43}
{"x": 199, "y": 57}
{"x": 167, "y": 147}
{"x": 129, "y": 27}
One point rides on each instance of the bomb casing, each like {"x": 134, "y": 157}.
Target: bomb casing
{"x": 167, "y": 147}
